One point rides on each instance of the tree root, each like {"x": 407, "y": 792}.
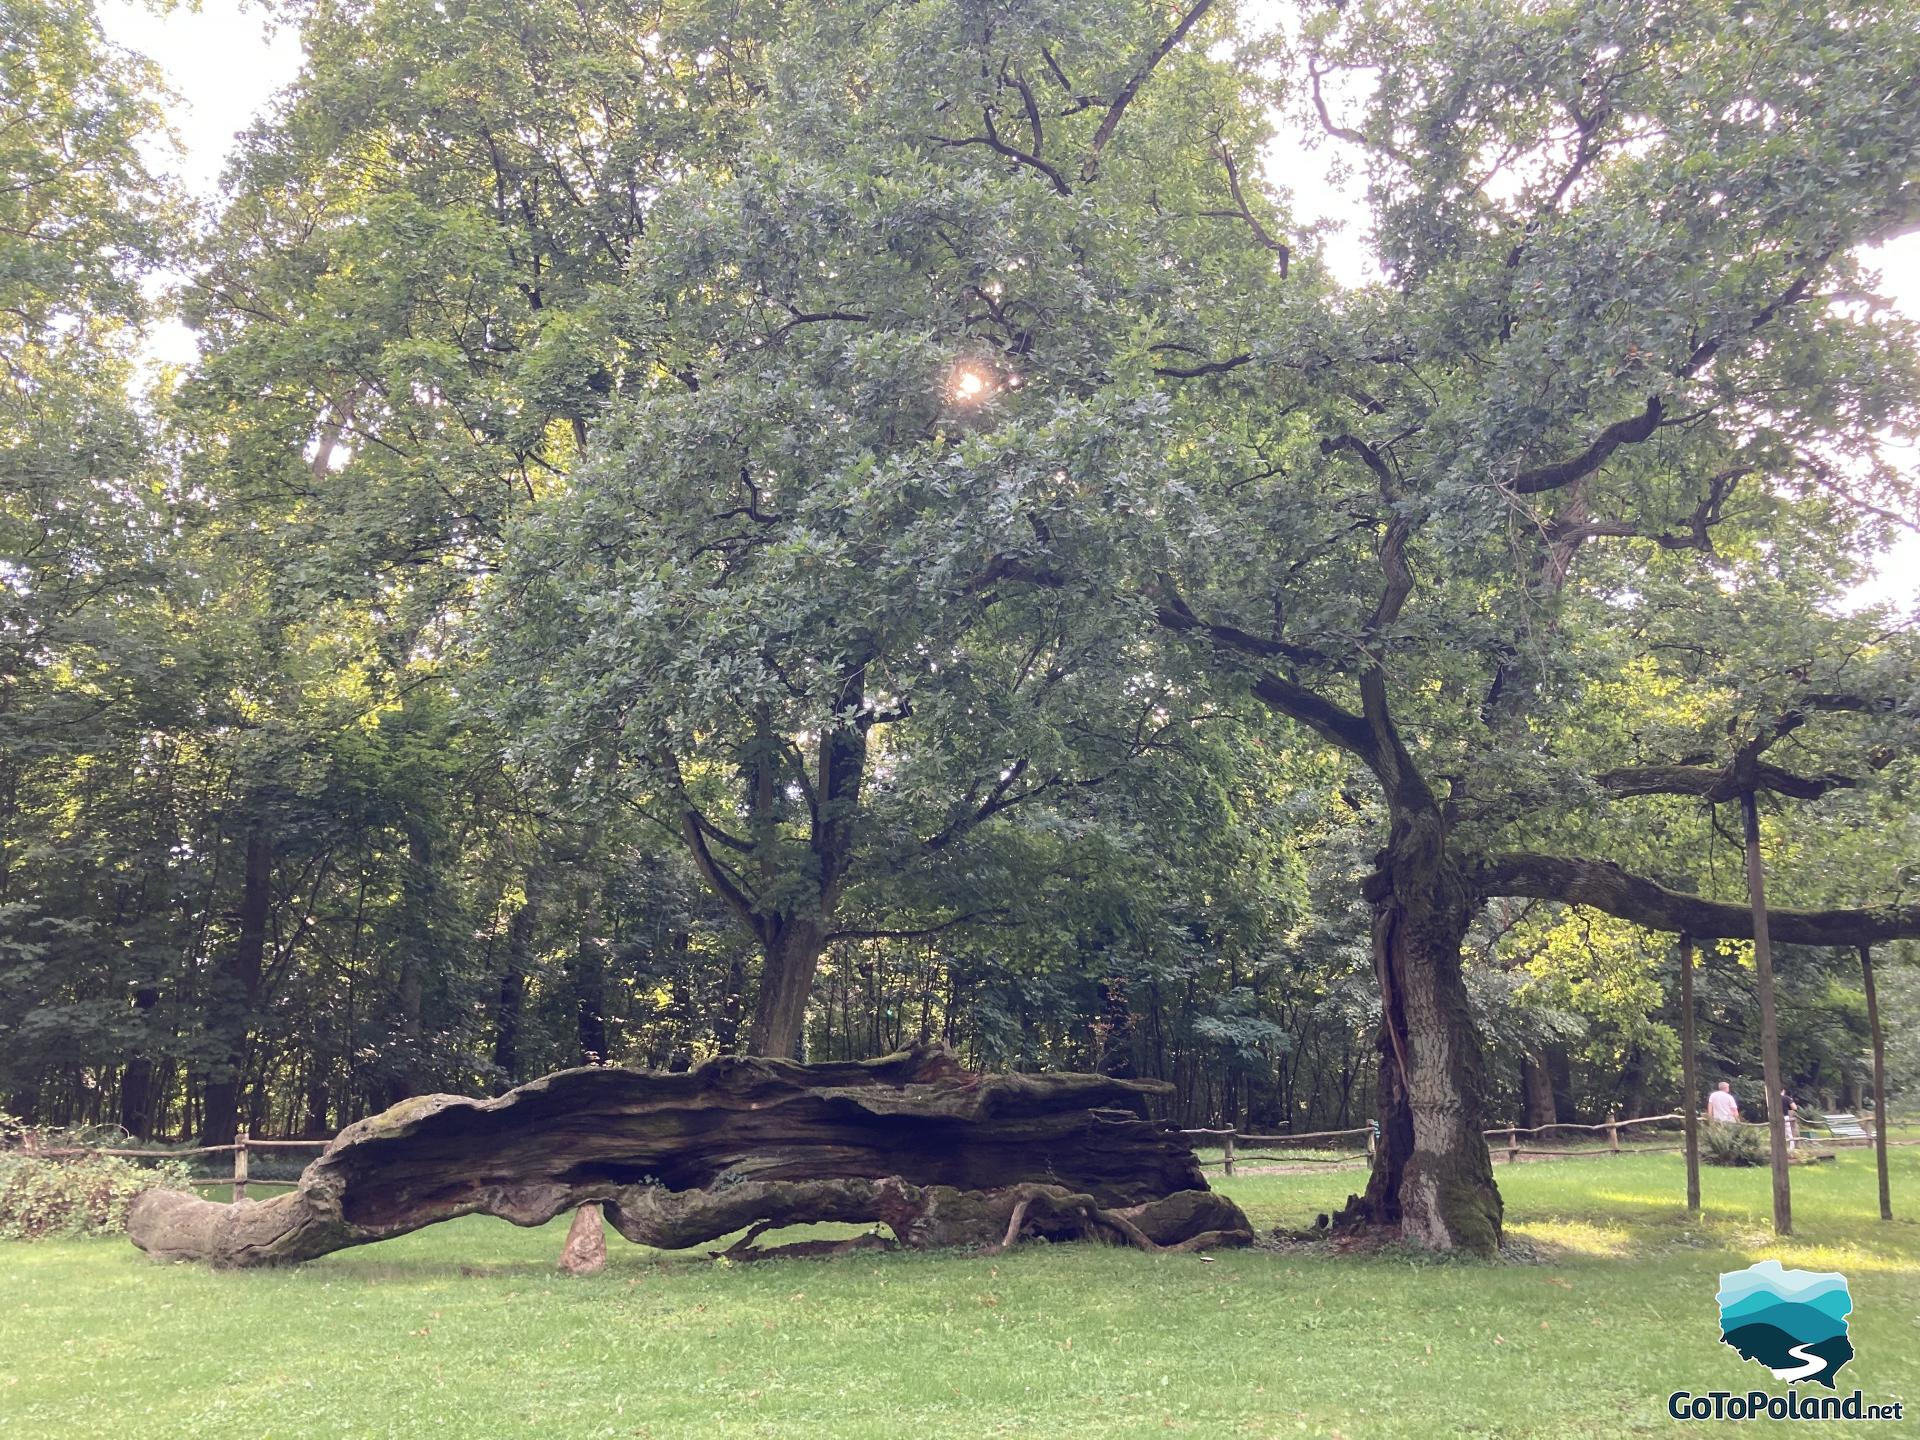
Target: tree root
{"x": 813, "y": 1249}
{"x": 1162, "y": 1227}
{"x": 1018, "y": 1219}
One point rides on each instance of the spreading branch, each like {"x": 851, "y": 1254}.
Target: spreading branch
{"x": 1345, "y": 132}
{"x": 1704, "y": 352}
{"x": 1607, "y": 887}
{"x": 1173, "y": 613}
{"x": 993, "y": 141}
{"x": 1631, "y": 431}
{"x": 1206, "y": 367}
{"x": 986, "y": 918}
{"x": 1260, "y": 232}
{"x": 1110, "y": 121}
{"x": 1719, "y": 785}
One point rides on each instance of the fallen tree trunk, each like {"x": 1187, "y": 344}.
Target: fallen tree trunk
{"x": 937, "y": 1154}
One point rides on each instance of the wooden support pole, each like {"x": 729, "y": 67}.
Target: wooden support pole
{"x": 1879, "y": 1082}
{"x": 1769, "y": 1020}
{"x": 1513, "y": 1146}
{"x": 1227, "y": 1146}
{"x": 240, "y": 1165}
{"x": 1689, "y": 1082}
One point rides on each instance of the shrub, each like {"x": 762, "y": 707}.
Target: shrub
{"x": 88, "y": 1195}
{"x": 1728, "y": 1143}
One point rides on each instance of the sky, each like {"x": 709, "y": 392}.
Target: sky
{"x": 224, "y": 64}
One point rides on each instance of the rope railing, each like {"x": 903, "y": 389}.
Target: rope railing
{"x": 241, "y": 1149}
{"x": 1233, "y": 1140}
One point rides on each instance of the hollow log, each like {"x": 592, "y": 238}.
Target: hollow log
{"x": 938, "y": 1155}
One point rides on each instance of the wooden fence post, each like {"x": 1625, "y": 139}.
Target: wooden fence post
{"x": 1613, "y": 1131}
{"x": 1513, "y": 1146}
{"x": 1228, "y": 1147}
{"x": 240, "y": 1165}
{"x": 1769, "y": 1020}
{"x": 1879, "y": 1082}
{"x": 1689, "y": 1087}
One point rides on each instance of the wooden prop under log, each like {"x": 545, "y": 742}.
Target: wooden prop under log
{"x": 939, "y": 1155}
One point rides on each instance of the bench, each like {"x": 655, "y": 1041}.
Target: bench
{"x": 1846, "y": 1127}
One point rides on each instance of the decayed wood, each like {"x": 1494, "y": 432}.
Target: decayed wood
{"x": 938, "y": 1155}
{"x": 585, "y": 1252}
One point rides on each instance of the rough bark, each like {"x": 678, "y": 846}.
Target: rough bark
{"x": 1432, "y": 1175}
{"x": 912, "y": 1141}
{"x": 790, "y": 960}
{"x": 585, "y": 1252}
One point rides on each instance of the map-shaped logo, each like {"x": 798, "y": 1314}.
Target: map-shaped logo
{"x": 1794, "y": 1322}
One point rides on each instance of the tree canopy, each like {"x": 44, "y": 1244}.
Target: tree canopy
{"x": 812, "y": 529}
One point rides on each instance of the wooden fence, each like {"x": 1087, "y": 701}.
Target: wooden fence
{"x": 241, "y": 1149}
{"x": 1500, "y": 1140}
{"x": 1231, "y": 1141}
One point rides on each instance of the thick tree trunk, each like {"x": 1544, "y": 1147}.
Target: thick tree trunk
{"x": 1536, "y": 1080}
{"x": 317, "y": 1124}
{"x": 791, "y": 958}
{"x": 942, "y": 1156}
{"x": 590, "y": 999}
{"x": 1633, "y": 1084}
{"x": 733, "y": 1006}
{"x": 237, "y": 992}
{"x": 1117, "y": 1042}
{"x": 677, "y": 1042}
{"x": 419, "y": 946}
{"x": 511, "y": 997}
{"x": 136, "y": 1081}
{"x": 1432, "y": 1175}
{"x": 1560, "y": 1067}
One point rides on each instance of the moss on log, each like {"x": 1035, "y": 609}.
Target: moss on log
{"x": 939, "y": 1155}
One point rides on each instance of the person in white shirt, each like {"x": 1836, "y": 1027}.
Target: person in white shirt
{"x": 1722, "y": 1107}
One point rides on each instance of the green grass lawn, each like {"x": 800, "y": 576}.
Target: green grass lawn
{"x": 465, "y": 1330}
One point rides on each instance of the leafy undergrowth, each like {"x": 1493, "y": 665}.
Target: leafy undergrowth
{"x": 466, "y": 1330}
{"x": 82, "y": 1196}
